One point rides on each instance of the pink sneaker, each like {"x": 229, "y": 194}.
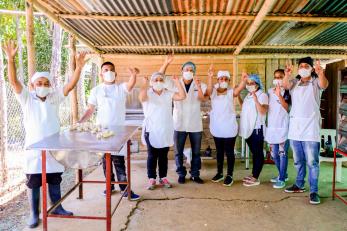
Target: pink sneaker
{"x": 165, "y": 182}
{"x": 151, "y": 184}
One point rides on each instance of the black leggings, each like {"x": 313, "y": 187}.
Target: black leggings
{"x": 225, "y": 145}
{"x": 156, "y": 156}
{"x": 255, "y": 143}
{"x": 35, "y": 180}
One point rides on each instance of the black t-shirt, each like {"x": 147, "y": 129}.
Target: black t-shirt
{"x": 188, "y": 86}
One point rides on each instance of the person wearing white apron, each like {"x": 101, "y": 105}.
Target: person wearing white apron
{"x": 277, "y": 128}
{"x": 305, "y": 123}
{"x": 109, "y": 99}
{"x": 223, "y": 124}
{"x": 41, "y": 119}
{"x": 188, "y": 121}
{"x": 158, "y": 125}
{"x": 252, "y": 125}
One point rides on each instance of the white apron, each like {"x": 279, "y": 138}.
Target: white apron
{"x": 187, "y": 113}
{"x": 304, "y": 124}
{"x": 158, "y": 120}
{"x": 248, "y": 117}
{"x": 278, "y": 120}
{"x": 111, "y": 112}
{"x": 40, "y": 120}
{"x": 223, "y": 122}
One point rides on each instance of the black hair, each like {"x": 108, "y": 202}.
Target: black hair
{"x": 279, "y": 71}
{"x": 108, "y": 63}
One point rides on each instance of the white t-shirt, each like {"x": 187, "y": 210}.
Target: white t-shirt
{"x": 110, "y": 103}
{"x": 41, "y": 119}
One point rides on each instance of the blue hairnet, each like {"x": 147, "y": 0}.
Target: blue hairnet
{"x": 256, "y": 79}
{"x": 189, "y": 63}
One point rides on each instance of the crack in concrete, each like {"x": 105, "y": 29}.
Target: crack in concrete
{"x": 125, "y": 226}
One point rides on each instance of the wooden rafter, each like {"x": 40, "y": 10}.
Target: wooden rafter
{"x": 266, "y": 7}
{"x": 287, "y": 18}
{"x": 289, "y": 47}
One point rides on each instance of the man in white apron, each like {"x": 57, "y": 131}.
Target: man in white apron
{"x": 277, "y": 127}
{"x": 41, "y": 119}
{"x": 109, "y": 99}
{"x": 158, "y": 127}
{"x": 187, "y": 120}
{"x": 304, "y": 123}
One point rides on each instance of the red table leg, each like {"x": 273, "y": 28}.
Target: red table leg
{"x": 44, "y": 191}
{"x": 108, "y": 191}
{"x": 334, "y": 175}
{"x": 80, "y": 187}
{"x": 128, "y": 169}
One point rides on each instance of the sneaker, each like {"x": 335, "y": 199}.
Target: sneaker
{"x": 279, "y": 184}
{"x": 218, "y": 177}
{"x": 314, "y": 199}
{"x": 197, "y": 180}
{"x": 165, "y": 182}
{"x": 294, "y": 189}
{"x": 113, "y": 190}
{"x": 275, "y": 179}
{"x": 181, "y": 179}
{"x": 133, "y": 196}
{"x": 228, "y": 180}
{"x": 251, "y": 182}
{"x": 247, "y": 178}
{"x": 151, "y": 184}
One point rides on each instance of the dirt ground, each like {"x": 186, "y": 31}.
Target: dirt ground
{"x": 207, "y": 207}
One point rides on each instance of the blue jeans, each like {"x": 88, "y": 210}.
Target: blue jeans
{"x": 306, "y": 152}
{"x": 195, "y": 142}
{"x": 279, "y": 153}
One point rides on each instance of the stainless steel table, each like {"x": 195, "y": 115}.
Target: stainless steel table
{"x": 85, "y": 141}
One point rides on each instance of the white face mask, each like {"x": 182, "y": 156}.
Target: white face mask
{"x": 222, "y": 85}
{"x": 187, "y": 75}
{"x": 109, "y": 76}
{"x": 277, "y": 82}
{"x": 158, "y": 86}
{"x": 251, "y": 88}
{"x": 303, "y": 72}
{"x": 42, "y": 91}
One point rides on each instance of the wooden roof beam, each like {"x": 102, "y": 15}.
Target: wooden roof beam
{"x": 267, "y": 6}
{"x": 279, "y": 18}
{"x": 289, "y": 47}
{"x": 66, "y": 27}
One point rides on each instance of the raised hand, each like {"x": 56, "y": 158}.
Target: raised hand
{"x": 210, "y": 71}
{"x": 244, "y": 76}
{"x": 197, "y": 82}
{"x": 169, "y": 58}
{"x": 80, "y": 59}
{"x": 145, "y": 82}
{"x": 10, "y": 49}
{"x": 289, "y": 68}
{"x": 318, "y": 68}
{"x": 278, "y": 90}
{"x": 133, "y": 71}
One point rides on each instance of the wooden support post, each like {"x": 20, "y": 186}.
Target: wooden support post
{"x": 30, "y": 38}
{"x": 235, "y": 71}
{"x": 72, "y": 66}
{"x": 3, "y": 124}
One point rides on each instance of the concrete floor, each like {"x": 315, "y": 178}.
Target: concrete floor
{"x": 210, "y": 206}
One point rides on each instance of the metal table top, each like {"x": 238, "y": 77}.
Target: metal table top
{"x": 67, "y": 140}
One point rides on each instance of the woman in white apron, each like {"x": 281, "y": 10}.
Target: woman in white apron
{"x": 41, "y": 119}
{"x": 223, "y": 125}
{"x": 158, "y": 125}
{"x": 252, "y": 125}
{"x": 304, "y": 123}
{"x": 109, "y": 98}
{"x": 277, "y": 128}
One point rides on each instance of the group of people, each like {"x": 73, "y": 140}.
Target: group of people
{"x": 291, "y": 108}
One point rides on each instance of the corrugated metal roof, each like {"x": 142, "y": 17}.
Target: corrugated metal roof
{"x": 200, "y": 32}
